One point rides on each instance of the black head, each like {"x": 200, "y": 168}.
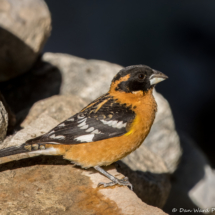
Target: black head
{"x": 136, "y": 78}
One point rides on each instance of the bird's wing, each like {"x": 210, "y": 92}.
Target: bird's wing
{"x": 102, "y": 119}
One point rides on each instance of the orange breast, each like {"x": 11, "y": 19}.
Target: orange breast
{"x": 107, "y": 151}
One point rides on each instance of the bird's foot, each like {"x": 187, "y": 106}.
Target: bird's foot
{"x": 123, "y": 182}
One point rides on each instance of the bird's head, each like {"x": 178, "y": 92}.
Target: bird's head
{"x": 136, "y": 78}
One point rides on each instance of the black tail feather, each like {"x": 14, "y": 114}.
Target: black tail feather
{"x": 13, "y": 150}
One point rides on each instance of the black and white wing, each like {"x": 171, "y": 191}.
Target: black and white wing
{"x": 102, "y": 119}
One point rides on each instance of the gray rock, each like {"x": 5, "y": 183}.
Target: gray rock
{"x": 87, "y": 79}
{"x": 11, "y": 115}
{"x": 25, "y": 27}
{"x": 3, "y": 122}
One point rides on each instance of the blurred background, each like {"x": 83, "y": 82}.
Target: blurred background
{"x": 175, "y": 37}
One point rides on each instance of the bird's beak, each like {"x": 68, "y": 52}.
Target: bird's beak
{"x": 157, "y": 77}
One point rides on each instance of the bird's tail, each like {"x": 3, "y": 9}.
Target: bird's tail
{"x": 13, "y": 150}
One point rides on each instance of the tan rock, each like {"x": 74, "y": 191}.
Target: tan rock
{"x": 54, "y": 186}
{"x": 25, "y": 27}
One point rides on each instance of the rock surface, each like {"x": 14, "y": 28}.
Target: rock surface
{"x": 32, "y": 186}
{"x": 3, "y": 122}
{"x": 24, "y": 28}
{"x": 53, "y": 186}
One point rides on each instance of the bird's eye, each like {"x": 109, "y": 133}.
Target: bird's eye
{"x": 141, "y": 76}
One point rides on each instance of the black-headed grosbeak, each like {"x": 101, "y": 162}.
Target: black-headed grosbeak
{"x": 108, "y": 129}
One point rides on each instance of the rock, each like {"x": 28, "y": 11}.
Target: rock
{"x": 193, "y": 181}
{"x": 152, "y": 188}
{"x": 49, "y": 184}
{"x": 87, "y": 79}
{"x": 11, "y": 115}
{"x": 203, "y": 193}
{"x": 3, "y": 122}
{"x": 54, "y": 186}
{"x": 25, "y": 27}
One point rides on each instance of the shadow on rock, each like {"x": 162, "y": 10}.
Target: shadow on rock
{"x": 148, "y": 186}
{"x": 39, "y": 160}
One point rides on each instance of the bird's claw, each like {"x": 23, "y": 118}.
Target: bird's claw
{"x": 123, "y": 182}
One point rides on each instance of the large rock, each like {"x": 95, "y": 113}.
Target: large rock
{"x": 3, "y": 122}
{"x": 54, "y": 186}
{"x": 24, "y": 28}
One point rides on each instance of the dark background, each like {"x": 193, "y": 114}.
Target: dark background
{"x": 176, "y": 37}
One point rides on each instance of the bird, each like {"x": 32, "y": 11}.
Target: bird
{"x": 107, "y": 129}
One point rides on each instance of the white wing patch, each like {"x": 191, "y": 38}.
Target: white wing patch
{"x": 114, "y": 123}
{"x": 49, "y": 151}
{"x": 84, "y": 127}
{"x": 59, "y": 137}
{"x": 96, "y": 132}
{"x": 82, "y": 123}
{"x": 61, "y": 125}
{"x": 90, "y": 129}
{"x": 85, "y": 138}
{"x": 72, "y": 119}
{"x": 80, "y": 117}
